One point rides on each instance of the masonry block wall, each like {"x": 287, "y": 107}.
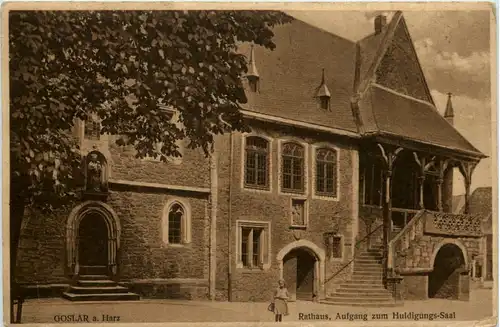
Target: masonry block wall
{"x": 143, "y": 257}
{"x": 275, "y": 207}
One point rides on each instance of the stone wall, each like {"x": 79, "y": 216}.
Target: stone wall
{"x": 192, "y": 169}
{"x": 273, "y": 206}
{"x": 420, "y": 253}
{"x": 142, "y": 254}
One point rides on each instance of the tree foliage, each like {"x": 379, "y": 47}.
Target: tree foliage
{"x": 120, "y": 65}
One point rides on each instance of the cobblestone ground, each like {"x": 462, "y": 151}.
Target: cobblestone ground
{"x": 479, "y": 307}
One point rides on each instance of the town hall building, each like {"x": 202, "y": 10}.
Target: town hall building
{"x": 343, "y": 188}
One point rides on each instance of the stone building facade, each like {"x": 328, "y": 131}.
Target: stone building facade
{"x": 306, "y": 196}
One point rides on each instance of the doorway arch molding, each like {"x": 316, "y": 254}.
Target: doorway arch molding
{"x": 445, "y": 241}
{"x": 319, "y": 265}
{"x": 72, "y": 227}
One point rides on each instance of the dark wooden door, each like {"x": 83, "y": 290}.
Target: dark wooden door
{"x": 93, "y": 241}
{"x": 305, "y": 275}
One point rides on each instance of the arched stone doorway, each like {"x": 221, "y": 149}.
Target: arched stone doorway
{"x": 92, "y": 239}
{"x": 302, "y": 268}
{"x": 444, "y": 280}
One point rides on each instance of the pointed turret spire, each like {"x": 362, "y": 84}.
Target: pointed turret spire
{"x": 449, "y": 114}
{"x": 253, "y": 74}
{"x": 323, "y": 92}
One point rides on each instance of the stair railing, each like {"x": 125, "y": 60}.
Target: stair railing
{"x": 365, "y": 238}
{"x": 401, "y": 242}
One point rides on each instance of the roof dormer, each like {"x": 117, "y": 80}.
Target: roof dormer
{"x": 253, "y": 74}
{"x": 323, "y": 93}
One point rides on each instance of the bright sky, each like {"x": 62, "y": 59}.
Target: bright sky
{"x": 454, "y": 50}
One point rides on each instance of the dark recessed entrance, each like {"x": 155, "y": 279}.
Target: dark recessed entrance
{"x": 444, "y": 280}
{"x": 93, "y": 244}
{"x": 298, "y": 272}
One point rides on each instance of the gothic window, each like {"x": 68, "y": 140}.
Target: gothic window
{"x": 292, "y": 178}
{"x": 326, "y": 172}
{"x": 176, "y": 224}
{"x": 253, "y": 250}
{"x": 256, "y": 162}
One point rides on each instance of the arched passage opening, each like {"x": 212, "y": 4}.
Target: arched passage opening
{"x": 444, "y": 280}
{"x": 302, "y": 269}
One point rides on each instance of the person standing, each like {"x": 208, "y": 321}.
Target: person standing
{"x": 280, "y": 301}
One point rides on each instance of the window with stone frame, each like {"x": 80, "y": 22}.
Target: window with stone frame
{"x": 253, "y": 245}
{"x": 175, "y": 217}
{"x": 176, "y": 224}
{"x": 256, "y": 162}
{"x": 92, "y": 128}
{"x": 292, "y": 167}
{"x": 335, "y": 246}
{"x": 326, "y": 172}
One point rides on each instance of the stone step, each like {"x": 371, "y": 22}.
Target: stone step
{"x": 93, "y": 270}
{"x": 360, "y": 290}
{"x": 364, "y": 281}
{"x": 96, "y": 283}
{"x": 97, "y": 289}
{"x": 367, "y": 280}
{"x": 101, "y": 297}
{"x": 357, "y": 285}
{"x": 361, "y": 296}
{"x": 92, "y": 277}
{"x": 377, "y": 268}
{"x": 368, "y": 262}
{"x": 360, "y": 303}
{"x": 367, "y": 273}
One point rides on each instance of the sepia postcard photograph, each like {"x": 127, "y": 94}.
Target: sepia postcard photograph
{"x": 250, "y": 163}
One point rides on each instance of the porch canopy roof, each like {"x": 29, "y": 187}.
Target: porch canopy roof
{"x": 390, "y": 114}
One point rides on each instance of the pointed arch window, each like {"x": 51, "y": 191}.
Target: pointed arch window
{"x": 326, "y": 172}
{"x": 292, "y": 178}
{"x": 256, "y": 162}
{"x": 176, "y": 224}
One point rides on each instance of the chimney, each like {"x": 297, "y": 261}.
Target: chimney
{"x": 380, "y": 22}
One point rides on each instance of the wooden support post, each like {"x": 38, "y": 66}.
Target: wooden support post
{"x": 389, "y": 157}
{"x": 439, "y": 183}
{"x": 467, "y": 168}
{"x": 421, "y": 162}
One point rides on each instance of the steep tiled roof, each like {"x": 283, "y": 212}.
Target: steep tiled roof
{"x": 291, "y": 74}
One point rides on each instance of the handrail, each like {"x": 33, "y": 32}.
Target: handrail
{"x": 354, "y": 256}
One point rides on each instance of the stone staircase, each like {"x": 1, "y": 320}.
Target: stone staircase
{"x": 97, "y": 287}
{"x": 366, "y": 286}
